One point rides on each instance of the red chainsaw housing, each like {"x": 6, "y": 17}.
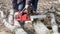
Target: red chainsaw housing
{"x": 20, "y": 17}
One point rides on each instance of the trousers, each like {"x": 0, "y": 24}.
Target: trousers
{"x": 34, "y": 5}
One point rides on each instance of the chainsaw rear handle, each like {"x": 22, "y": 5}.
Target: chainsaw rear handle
{"x": 24, "y": 10}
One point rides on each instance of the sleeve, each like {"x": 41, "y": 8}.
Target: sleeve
{"x": 28, "y": 2}
{"x": 14, "y": 3}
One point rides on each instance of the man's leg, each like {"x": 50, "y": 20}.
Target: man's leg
{"x": 21, "y": 6}
{"x": 34, "y": 6}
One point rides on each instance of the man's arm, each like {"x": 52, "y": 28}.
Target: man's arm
{"x": 28, "y": 2}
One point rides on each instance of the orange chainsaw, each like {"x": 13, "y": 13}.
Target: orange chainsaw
{"x": 22, "y": 15}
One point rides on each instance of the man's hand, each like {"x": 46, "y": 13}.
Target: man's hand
{"x": 26, "y": 6}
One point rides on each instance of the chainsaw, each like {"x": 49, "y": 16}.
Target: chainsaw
{"x": 24, "y": 15}
{"x": 21, "y": 16}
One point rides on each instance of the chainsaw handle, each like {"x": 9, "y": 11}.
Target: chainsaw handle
{"x": 24, "y": 10}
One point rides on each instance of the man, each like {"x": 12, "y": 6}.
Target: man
{"x": 19, "y": 5}
{"x": 24, "y": 4}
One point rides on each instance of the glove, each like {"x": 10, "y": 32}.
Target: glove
{"x": 26, "y": 6}
{"x": 25, "y": 10}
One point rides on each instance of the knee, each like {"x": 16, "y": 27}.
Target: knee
{"x": 20, "y": 7}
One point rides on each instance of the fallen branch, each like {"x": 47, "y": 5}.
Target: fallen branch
{"x": 53, "y": 24}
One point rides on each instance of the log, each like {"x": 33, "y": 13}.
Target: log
{"x": 40, "y": 28}
{"x": 10, "y": 16}
{"x": 14, "y": 29}
{"x": 54, "y": 25}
